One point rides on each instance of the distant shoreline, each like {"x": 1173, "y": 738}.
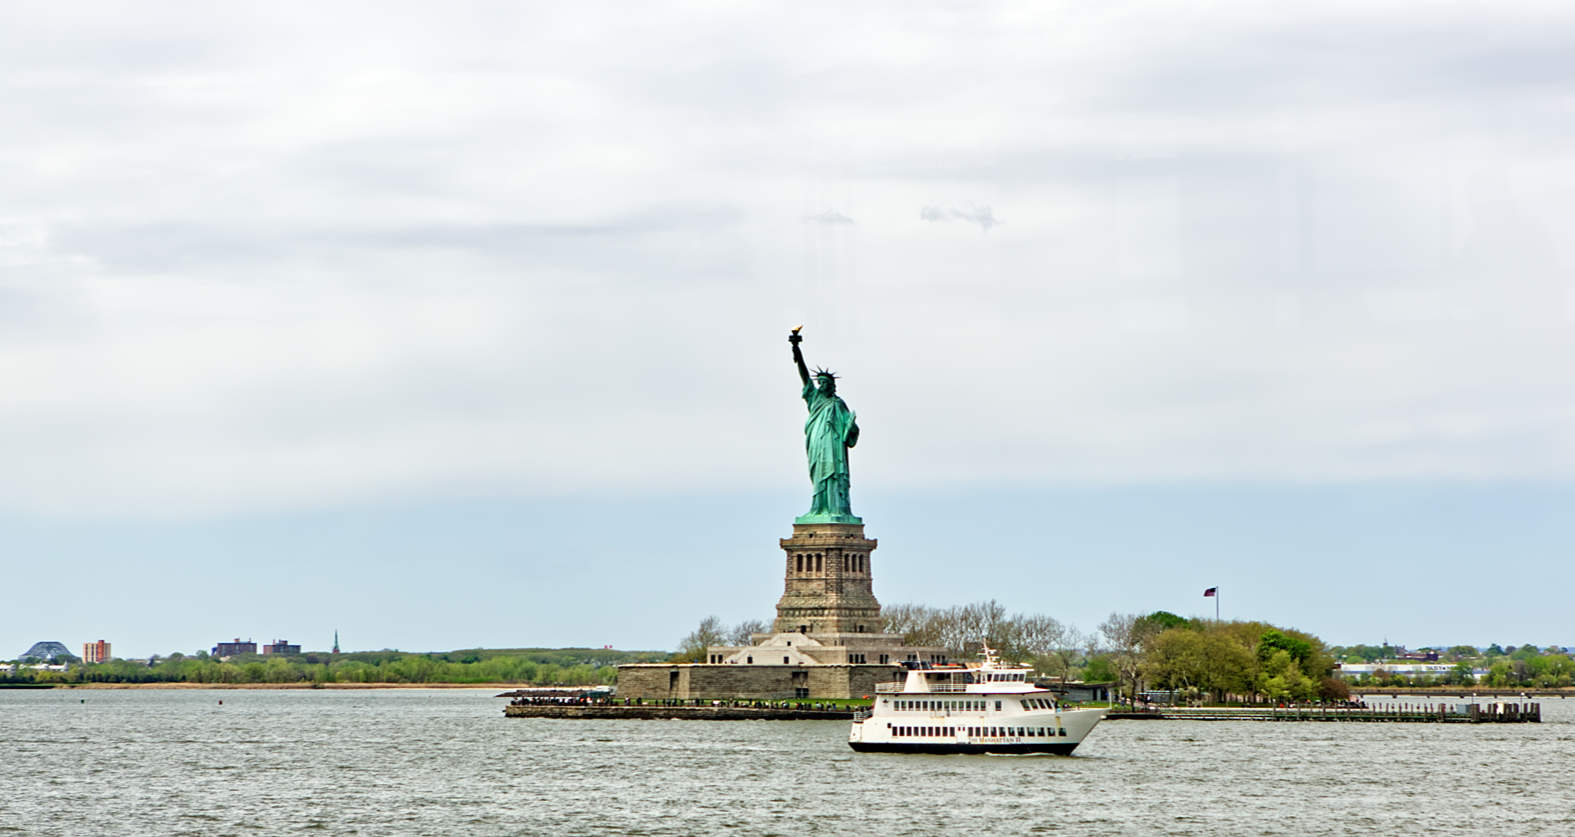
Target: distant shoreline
{"x": 302, "y": 686}
{"x": 1465, "y": 691}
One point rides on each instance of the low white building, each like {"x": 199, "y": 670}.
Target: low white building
{"x": 13, "y": 668}
{"x": 1407, "y": 670}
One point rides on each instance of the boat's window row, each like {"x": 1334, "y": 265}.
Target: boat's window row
{"x": 978, "y": 732}
{"x": 938, "y": 705}
{"x": 1004, "y": 677}
{"x": 964, "y": 705}
{"x": 1016, "y": 732}
{"x": 924, "y": 732}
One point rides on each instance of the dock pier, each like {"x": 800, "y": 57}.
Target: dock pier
{"x": 1414, "y": 713}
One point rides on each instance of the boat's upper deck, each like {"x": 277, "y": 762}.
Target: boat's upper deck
{"x": 989, "y": 677}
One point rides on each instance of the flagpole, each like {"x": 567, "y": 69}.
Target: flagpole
{"x": 1216, "y": 604}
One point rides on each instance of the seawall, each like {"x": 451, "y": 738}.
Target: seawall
{"x": 682, "y": 713}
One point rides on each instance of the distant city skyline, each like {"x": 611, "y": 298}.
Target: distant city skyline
{"x": 467, "y": 328}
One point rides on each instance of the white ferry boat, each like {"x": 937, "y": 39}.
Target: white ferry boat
{"x": 989, "y": 707}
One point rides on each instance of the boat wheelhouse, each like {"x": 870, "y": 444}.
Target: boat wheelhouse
{"x": 989, "y": 707}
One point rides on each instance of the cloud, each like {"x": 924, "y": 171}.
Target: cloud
{"x": 548, "y": 253}
{"x": 982, "y": 216}
{"x": 830, "y": 217}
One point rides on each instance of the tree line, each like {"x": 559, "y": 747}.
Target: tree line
{"x": 1508, "y": 666}
{"x": 546, "y": 667}
{"x": 1197, "y": 659}
{"x": 1226, "y": 661}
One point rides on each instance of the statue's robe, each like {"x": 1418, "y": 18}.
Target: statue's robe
{"x": 828, "y": 433}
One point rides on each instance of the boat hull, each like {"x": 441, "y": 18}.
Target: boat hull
{"x": 1057, "y": 732}
{"x": 941, "y": 748}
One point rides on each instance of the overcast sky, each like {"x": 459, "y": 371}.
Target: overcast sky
{"x": 324, "y": 316}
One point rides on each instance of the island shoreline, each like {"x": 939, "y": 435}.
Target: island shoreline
{"x": 271, "y": 686}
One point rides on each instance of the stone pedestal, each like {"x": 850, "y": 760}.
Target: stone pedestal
{"x": 827, "y": 587}
{"x": 825, "y": 642}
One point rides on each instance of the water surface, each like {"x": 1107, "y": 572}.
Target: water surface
{"x": 440, "y": 762}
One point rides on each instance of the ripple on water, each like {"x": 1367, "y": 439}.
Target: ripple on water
{"x": 439, "y": 762}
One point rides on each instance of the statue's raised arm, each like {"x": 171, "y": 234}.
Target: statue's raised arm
{"x": 829, "y": 431}
{"x": 798, "y": 357}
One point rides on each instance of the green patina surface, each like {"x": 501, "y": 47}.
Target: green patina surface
{"x": 831, "y": 429}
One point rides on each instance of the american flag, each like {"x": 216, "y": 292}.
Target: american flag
{"x": 1211, "y": 591}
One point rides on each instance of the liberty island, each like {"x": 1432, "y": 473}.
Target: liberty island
{"x": 826, "y": 640}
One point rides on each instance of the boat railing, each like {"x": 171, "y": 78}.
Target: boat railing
{"x": 862, "y": 714}
{"x": 943, "y": 688}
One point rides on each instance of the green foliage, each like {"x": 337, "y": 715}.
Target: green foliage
{"x": 1358, "y": 653}
{"x": 1273, "y": 640}
{"x": 1238, "y": 658}
{"x": 1099, "y": 670}
{"x": 1507, "y": 667}
{"x": 537, "y": 666}
{"x": 1163, "y": 620}
{"x": 1210, "y": 661}
{"x": 1280, "y": 678}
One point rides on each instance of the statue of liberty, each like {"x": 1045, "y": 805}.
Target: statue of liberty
{"x": 828, "y": 433}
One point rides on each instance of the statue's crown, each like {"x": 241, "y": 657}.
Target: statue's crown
{"x": 824, "y": 373}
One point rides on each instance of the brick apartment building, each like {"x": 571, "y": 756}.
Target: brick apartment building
{"x": 234, "y": 649}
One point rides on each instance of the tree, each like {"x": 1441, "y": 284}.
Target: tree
{"x": 1098, "y": 670}
{"x": 1160, "y": 620}
{"x": 916, "y": 624}
{"x": 1236, "y": 658}
{"x": 1177, "y": 660}
{"x": 1210, "y": 660}
{"x": 981, "y": 621}
{"x": 693, "y": 647}
{"x": 1273, "y": 640}
{"x": 1124, "y": 643}
{"x": 1054, "y": 647}
{"x": 1065, "y": 653}
{"x": 1281, "y": 678}
{"x": 957, "y": 629}
{"x": 743, "y": 631}
{"x": 1333, "y": 688}
{"x": 1360, "y": 653}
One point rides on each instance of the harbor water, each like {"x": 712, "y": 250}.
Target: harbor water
{"x": 445, "y": 762}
